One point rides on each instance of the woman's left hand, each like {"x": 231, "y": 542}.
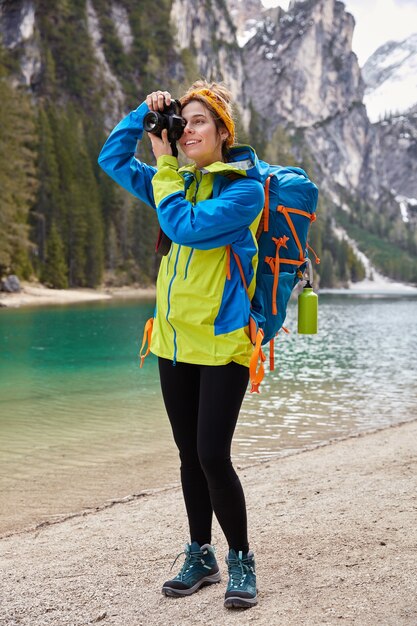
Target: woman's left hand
{"x": 160, "y": 146}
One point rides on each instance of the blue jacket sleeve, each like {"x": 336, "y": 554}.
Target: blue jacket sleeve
{"x": 210, "y": 223}
{"x": 117, "y": 157}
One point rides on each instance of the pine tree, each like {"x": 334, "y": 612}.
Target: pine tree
{"x": 72, "y": 219}
{"x": 54, "y": 270}
{"x": 278, "y": 149}
{"x": 327, "y": 277}
{"x": 17, "y": 175}
{"x": 45, "y": 211}
{"x": 90, "y": 203}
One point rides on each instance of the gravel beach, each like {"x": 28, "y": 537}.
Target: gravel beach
{"x": 334, "y": 530}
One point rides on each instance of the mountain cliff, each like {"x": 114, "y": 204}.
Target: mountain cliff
{"x": 311, "y": 86}
{"x": 390, "y": 78}
{"x": 299, "y": 90}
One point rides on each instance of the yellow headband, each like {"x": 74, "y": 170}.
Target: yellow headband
{"x": 217, "y": 105}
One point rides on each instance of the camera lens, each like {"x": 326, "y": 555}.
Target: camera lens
{"x": 151, "y": 121}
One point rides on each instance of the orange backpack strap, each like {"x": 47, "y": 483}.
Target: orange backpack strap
{"x": 242, "y": 275}
{"x": 271, "y": 356}
{"x": 282, "y": 241}
{"x": 147, "y": 336}
{"x": 253, "y": 330}
{"x": 315, "y": 255}
{"x": 266, "y": 206}
{"x": 228, "y": 275}
{"x": 272, "y": 349}
{"x": 263, "y": 225}
{"x": 286, "y": 212}
{"x": 257, "y": 373}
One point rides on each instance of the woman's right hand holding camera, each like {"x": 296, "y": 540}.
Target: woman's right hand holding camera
{"x": 157, "y": 100}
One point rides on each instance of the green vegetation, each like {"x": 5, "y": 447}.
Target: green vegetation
{"x": 338, "y": 262}
{"x": 61, "y": 219}
{"x": 64, "y": 221}
{"x": 389, "y": 257}
{"x": 17, "y": 176}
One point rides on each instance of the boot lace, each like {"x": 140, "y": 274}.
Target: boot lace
{"x": 191, "y": 559}
{"x": 238, "y": 571}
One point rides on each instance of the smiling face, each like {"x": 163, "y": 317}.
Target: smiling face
{"x": 201, "y": 141}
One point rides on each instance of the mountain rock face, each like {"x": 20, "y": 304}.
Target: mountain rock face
{"x": 303, "y": 65}
{"x": 395, "y": 156}
{"x": 298, "y": 72}
{"x": 18, "y": 33}
{"x": 208, "y": 32}
{"x": 292, "y": 73}
{"x": 246, "y": 16}
{"x": 390, "y": 98}
{"x": 113, "y": 102}
{"x": 390, "y": 79}
{"x": 307, "y": 80}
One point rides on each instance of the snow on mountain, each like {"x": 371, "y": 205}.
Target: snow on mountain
{"x": 390, "y": 75}
{"x": 247, "y": 17}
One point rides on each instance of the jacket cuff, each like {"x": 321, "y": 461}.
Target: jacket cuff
{"x": 167, "y": 160}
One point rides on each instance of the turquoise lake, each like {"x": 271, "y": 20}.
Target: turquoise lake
{"x": 81, "y": 424}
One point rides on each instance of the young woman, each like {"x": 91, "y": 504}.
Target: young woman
{"x": 210, "y": 210}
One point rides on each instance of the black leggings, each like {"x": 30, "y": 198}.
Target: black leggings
{"x": 203, "y": 403}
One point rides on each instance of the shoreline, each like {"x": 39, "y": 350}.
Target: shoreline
{"x": 35, "y": 294}
{"x": 333, "y": 530}
{"x": 53, "y": 519}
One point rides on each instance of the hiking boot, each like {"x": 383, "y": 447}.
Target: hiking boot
{"x": 241, "y": 589}
{"x": 200, "y": 568}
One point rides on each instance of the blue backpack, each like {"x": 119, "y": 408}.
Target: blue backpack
{"x": 290, "y": 208}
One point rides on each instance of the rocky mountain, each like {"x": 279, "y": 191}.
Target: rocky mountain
{"x": 300, "y": 97}
{"x": 302, "y": 63}
{"x": 206, "y": 34}
{"x": 306, "y": 57}
{"x": 390, "y": 78}
{"x": 395, "y": 154}
{"x": 246, "y": 16}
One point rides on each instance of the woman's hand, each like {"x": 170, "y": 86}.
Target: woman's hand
{"x": 157, "y": 100}
{"x": 160, "y": 147}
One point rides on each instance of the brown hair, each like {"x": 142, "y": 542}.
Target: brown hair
{"x": 218, "y": 100}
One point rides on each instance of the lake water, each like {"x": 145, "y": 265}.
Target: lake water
{"x": 81, "y": 424}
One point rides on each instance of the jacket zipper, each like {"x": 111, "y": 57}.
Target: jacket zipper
{"x": 174, "y": 360}
{"x": 197, "y": 185}
{"x": 188, "y": 263}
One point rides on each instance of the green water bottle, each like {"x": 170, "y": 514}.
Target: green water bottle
{"x": 307, "y": 311}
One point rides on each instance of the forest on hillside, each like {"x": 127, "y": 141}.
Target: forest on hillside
{"x": 64, "y": 222}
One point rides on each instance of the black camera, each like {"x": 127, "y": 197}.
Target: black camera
{"x": 156, "y": 121}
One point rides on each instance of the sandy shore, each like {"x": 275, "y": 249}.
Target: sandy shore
{"x": 37, "y": 295}
{"x": 34, "y": 294}
{"x": 333, "y": 529}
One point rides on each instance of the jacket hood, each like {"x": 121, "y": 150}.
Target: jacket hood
{"x": 243, "y": 161}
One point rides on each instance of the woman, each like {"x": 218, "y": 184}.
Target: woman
{"x": 210, "y": 210}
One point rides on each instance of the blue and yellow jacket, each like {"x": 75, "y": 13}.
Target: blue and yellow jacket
{"x": 202, "y": 307}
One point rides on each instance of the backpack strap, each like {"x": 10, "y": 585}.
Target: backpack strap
{"x": 266, "y": 206}
{"x": 286, "y": 212}
{"x": 272, "y": 355}
{"x": 240, "y": 268}
{"x": 147, "y": 336}
{"x": 256, "y": 373}
{"x": 263, "y": 225}
{"x": 315, "y": 255}
{"x": 280, "y": 242}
